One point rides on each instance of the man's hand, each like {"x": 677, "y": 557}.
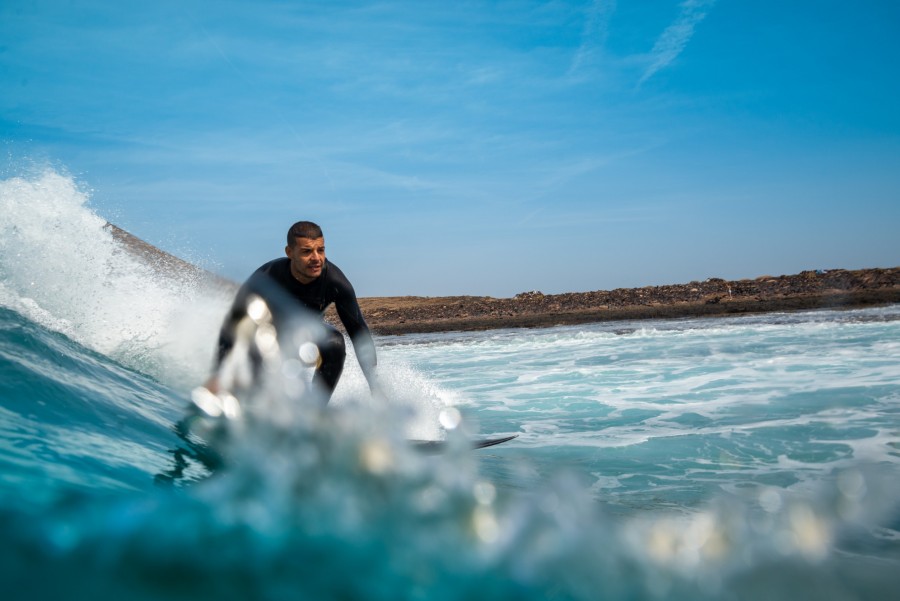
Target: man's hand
{"x": 212, "y": 384}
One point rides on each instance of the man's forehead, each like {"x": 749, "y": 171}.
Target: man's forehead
{"x": 304, "y": 242}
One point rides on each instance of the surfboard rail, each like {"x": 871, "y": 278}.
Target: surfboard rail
{"x": 436, "y": 446}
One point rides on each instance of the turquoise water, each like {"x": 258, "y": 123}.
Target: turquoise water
{"x": 675, "y": 412}
{"x": 747, "y": 458}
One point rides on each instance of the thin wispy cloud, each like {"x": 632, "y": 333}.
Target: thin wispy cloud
{"x": 676, "y": 36}
{"x": 593, "y": 37}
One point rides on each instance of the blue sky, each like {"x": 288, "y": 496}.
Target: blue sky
{"x": 474, "y": 147}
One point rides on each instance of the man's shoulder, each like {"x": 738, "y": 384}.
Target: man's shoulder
{"x": 279, "y": 264}
{"x": 276, "y": 267}
{"x": 340, "y": 287}
{"x": 334, "y": 275}
{"x": 333, "y": 270}
{"x": 278, "y": 270}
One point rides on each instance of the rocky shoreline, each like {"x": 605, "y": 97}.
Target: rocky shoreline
{"x": 808, "y": 290}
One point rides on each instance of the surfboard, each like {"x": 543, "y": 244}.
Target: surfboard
{"x": 436, "y": 446}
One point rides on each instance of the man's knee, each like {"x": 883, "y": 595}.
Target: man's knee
{"x": 332, "y": 350}
{"x": 332, "y": 347}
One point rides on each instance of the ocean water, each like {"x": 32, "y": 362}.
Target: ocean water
{"x": 753, "y": 457}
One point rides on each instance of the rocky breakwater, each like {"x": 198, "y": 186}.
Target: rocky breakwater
{"x": 835, "y": 288}
{"x": 166, "y": 265}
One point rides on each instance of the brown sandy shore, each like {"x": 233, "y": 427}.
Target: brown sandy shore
{"x": 808, "y": 290}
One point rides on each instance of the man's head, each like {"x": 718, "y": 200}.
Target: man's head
{"x": 303, "y": 229}
{"x": 306, "y": 250}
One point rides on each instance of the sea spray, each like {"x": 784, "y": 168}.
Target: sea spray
{"x": 62, "y": 267}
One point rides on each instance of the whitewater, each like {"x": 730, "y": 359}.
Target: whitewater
{"x": 752, "y": 457}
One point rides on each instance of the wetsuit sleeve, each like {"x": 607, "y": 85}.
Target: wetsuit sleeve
{"x": 261, "y": 283}
{"x": 351, "y": 316}
{"x": 227, "y": 333}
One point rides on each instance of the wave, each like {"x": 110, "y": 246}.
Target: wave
{"x": 65, "y": 267}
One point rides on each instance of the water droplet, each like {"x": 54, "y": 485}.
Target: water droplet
{"x": 258, "y": 310}
{"x": 376, "y": 456}
{"x": 450, "y": 418}
{"x": 309, "y": 354}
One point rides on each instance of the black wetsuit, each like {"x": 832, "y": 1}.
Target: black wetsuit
{"x": 331, "y": 286}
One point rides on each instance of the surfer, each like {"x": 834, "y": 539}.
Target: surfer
{"x": 311, "y": 282}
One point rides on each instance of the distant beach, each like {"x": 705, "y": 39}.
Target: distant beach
{"x": 807, "y": 290}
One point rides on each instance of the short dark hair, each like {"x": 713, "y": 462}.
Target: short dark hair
{"x": 303, "y": 229}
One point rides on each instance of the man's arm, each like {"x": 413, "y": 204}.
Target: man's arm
{"x": 259, "y": 284}
{"x": 228, "y": 331}
{"x": 351, "y": 316}
{"x": 363, "y": 345}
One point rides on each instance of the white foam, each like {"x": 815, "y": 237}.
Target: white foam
{"x": 61, "y": 267}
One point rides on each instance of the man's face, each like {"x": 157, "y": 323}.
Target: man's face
{"x": 307, "y": 258}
